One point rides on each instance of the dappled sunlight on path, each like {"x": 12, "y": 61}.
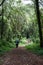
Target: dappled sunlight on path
{"x": 27, "y": 42}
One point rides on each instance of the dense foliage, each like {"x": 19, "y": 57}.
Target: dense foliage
{"x": 19, "y": 20}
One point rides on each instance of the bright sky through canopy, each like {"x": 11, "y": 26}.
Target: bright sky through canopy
{"x": 27, "y": 2}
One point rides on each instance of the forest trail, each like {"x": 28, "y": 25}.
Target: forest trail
{"x": 27, "y": 42}
{"x": 20, "y": 56}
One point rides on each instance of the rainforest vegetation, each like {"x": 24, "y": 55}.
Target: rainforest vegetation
{"x": 19, "y": 20}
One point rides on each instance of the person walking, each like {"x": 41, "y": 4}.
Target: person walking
{"x": 17, "y": 43}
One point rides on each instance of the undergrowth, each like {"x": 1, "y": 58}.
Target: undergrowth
{"x": 35, "y": 48}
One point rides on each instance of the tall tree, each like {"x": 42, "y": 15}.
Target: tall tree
{"x": 39, "y": 22}
{"x": 1, "y": 4}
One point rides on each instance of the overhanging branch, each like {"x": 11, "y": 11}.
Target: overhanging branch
{"x": 2, "y": 2}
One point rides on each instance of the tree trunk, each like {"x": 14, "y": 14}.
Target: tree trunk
{"x": 39, "y": 22}
{"x": 2, "y": 23}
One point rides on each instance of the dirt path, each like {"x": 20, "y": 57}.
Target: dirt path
{"x": 27, "y": 42}
{"x": 20, "y": 56}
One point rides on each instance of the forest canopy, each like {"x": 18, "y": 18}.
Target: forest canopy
{"x": 19, "y": 18}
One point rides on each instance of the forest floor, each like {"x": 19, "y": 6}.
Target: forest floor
{"x": 20, "y": 56}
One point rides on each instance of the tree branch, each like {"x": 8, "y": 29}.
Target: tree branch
{"x": 2, "y": 2}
